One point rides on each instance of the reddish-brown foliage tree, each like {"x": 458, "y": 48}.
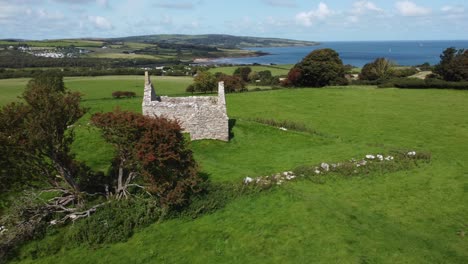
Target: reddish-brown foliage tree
{"x": 153, "y": 148}
{"x": 293, "y": 76}
{"x": 232, "y": 83}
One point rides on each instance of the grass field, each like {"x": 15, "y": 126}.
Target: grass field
{"x": 413, "y": 216}
{"x": 275, "y": 69}
{"x": 57, "y": 43}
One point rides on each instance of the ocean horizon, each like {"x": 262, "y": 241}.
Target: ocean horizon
{"x": 358, "y": 53}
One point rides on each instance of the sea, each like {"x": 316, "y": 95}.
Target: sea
{"x": 358, "y": 53}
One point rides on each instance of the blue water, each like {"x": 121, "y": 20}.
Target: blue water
{"x": 358, "y": 53}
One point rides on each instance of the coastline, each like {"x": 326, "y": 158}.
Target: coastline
{"x": 254, "y": 54}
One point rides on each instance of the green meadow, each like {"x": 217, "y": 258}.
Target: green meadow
{"x": 413, "y": 216}
{"x": 274, "y": 69}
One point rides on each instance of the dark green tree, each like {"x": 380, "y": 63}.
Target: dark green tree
{"x": 204, "y": 82}
{"x": 37, "y": 135}
{"x": 320, "y": 68}
{"x": 243, "y": 73}
{"x": 453, "y": 65}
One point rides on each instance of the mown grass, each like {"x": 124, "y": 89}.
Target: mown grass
{"x": 412, "y": 216}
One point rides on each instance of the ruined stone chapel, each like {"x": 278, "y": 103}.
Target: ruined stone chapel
{"x": 204, "y": 117}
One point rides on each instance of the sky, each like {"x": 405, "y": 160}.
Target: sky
{"x": 326, "y": 20}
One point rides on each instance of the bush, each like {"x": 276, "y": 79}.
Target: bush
{"x": 404, "y": 72}
{"x": 214, "y": 196}
{"x": 115, "y": 222}
{"x": 381, "y": 68}
{"x": 119, "y": 94}
{"x": 413, "y": 83}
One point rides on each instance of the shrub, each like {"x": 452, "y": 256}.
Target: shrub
{"x": 381, "y": 68}
{"x": 119, "y": 94}
{"x": 214, "y": 196}
{"x": 128, "y": 94}
{"x": 413, "y": 83}
{"x": 115, "y": 222}
{"x": 404, "y": 72}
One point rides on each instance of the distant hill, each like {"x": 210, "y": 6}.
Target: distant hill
{"x": 133, "y": 51}
{"x": 217, "y": 40}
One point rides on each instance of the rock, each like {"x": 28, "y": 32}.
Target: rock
{"x": 247, "y": 180}
{"x": 325, "y": 166}
{"x": 369, "y": 156}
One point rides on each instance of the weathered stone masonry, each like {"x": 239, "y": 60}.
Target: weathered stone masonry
{"x": 204, "y": 117}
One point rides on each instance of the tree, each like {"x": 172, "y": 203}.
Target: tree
{"x": 253, "y": 76}
{"x": 204, "y": 82}
{"x": 38, "y": 137}
{"x": 265, "y": 76}
{"x": 381, "y": 68}
{"x": 320, "y": 68}
{"x": 233, "y": 83}
{"x": 453, "y": 65}
{"x": 243, "y": 73}
{"x": 190, "y": 88}
{"x": 152, "y": 149}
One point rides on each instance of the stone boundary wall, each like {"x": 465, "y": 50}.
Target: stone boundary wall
{"x": 204, "y": 117}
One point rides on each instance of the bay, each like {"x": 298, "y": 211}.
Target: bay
{"x": 358, "y": 53}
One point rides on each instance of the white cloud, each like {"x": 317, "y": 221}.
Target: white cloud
{"x": 453, "y": 9}
{"x": 408, "y": 8}
{"x": 308, "y": 18}
{"x": 100, "y": 22}
{"x": 362, "y": 7}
